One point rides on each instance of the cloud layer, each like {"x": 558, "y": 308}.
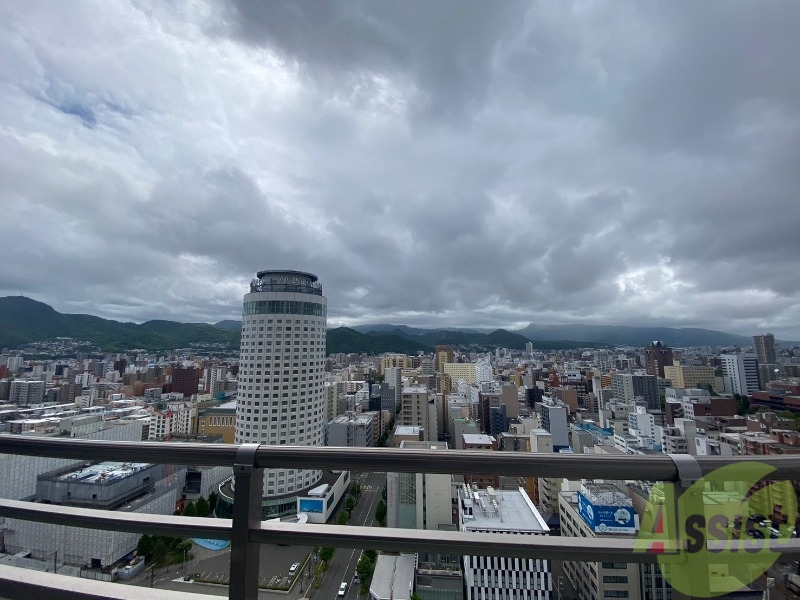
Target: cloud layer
{"x": 450, "y": 163}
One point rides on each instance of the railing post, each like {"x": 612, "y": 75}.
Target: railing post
{"x": 686, "y": 504}
{"x": 245, "y": 556}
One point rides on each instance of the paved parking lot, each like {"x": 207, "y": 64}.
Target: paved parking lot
{"x": 214, "y": 565}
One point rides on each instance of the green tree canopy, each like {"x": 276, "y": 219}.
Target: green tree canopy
{"x": 202, "y": 507}
{"x": 364, "y": 568}
{"x": 145, "y": 546}
{"x": 380, "y": 513}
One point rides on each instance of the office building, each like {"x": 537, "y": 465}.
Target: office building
{"x": 656, "y": 357}
{"x": 628, "y": 387}
{"x": 353, "y": 431}
{"x": 547, "y": 488}
{"x": 393, "y": 377}
{"x": 690, "y": 376}
{"x": 185, "y": 380}
{"x": 395, "y": 361}
{"x": 420, "y": 500}
{"x": 600, "y": 510}
{"x": 765, "y": 351}
{"x": 281, "y": 393}
{"x": 554, "y": 420}
{"x": 472, "y": 441}
{"x": 508, "y": 512}
{"x": 483, "y": 371}
{"x": 740, "y": 373}
{"x": 441, "y": 356}
{"x": 418, "y": 408}
{"x": 459, "y": 372}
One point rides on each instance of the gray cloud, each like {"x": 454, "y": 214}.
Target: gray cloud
{"x": 451, "y": 163}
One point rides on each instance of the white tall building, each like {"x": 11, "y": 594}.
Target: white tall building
{"x": 281, "y": 372}
{"x": 393, "y": 376}
{"x": 483, "y": 370}
{"x": 740, "y": 373}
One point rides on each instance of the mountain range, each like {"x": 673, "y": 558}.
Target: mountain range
{"x": 23, "y": 320}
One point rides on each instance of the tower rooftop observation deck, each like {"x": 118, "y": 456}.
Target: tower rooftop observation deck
{"x": 286, "y": 281}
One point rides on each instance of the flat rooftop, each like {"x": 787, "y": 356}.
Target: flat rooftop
{"x": 514, "y": 513}
{"x": 477, "y": 438}
{"x": 103, "y": 472}
{"x": 418, "y": 445}
{"x": 393, "y": 576}
{"x": 606, "y": 494}
{"x": 351, "y": 418}
{"x": 407, "y": 430}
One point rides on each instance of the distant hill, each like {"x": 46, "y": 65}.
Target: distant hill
{"x": 23, "y": 320}
{"x": 624, "y": 335}
{"x": 470, "y": 338}
{"x": 347, "y": 340}
{"x": 405, "y": 329}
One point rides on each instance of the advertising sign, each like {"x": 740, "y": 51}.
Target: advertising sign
{"x": 606, "y": 519}
{"x": 311, "y": 505}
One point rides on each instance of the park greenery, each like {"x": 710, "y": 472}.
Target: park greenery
{"x": 164, "y": 550}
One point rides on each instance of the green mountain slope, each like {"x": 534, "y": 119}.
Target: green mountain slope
{"x": 344, "y": 339}
{"x": 23, "y": 320}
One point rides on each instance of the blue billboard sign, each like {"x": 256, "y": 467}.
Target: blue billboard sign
{"x": 312, "y": 505}
{"x": 606, "y": 519}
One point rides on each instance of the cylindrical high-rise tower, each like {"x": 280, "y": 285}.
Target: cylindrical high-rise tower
{"x": 281, "y": 370}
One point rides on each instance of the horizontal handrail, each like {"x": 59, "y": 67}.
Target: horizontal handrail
{"x": 25, "y": 583}
{"x": 377, "y": 538}
{"x": 247, "y": 532}
{"x": 576, "y": 466}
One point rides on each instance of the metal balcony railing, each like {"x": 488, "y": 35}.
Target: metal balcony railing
{"x": 246, "y": 530}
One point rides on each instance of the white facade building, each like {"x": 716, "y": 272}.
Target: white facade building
{"x": 740, "y": 373}
{"x": 508, "y": 512}
{"x": 483, "y": 371}
{"x": 281, "y": 397}
{"x": 420, "y": 500}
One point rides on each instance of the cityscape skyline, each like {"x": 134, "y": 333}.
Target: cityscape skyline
{"x": 456, "y": 165}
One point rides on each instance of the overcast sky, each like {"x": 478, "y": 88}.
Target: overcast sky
{"x": 463, "y": 163}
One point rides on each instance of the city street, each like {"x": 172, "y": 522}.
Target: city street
{"x": 275, "y": 560}
{"x": 343, "y": 565}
